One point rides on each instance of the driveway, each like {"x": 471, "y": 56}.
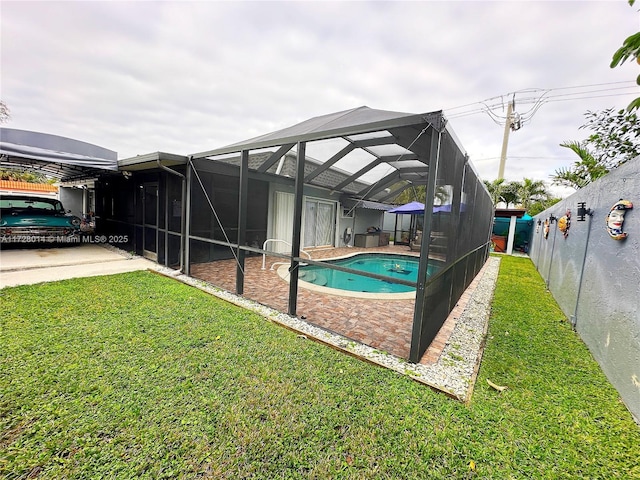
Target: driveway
{"x": 28, "y": 266}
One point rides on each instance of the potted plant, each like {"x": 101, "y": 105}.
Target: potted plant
{"x": 499, "y": 242}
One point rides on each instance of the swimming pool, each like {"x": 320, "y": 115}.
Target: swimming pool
{"x": 404, "y": 267}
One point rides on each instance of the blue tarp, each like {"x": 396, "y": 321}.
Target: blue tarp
{"x": 524, "y": 226}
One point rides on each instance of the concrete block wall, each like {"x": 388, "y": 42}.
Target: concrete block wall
{"x": 596, "y": 279}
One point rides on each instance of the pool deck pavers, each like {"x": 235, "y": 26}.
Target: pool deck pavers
{"x": 382, "y": 324}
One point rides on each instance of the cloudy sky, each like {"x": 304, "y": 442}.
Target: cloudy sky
{"x": 185, "y": 77}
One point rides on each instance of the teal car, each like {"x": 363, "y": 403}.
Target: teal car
{"x": 29, "y": 219}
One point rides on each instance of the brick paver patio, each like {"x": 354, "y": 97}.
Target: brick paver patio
{"x": 382, "y": 324}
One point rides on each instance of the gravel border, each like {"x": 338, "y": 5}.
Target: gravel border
{"x": 455, "y": 371}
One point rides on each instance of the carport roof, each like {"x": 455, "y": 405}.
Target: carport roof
{"x": 59, "y": 157}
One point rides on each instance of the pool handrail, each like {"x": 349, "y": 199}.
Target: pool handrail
{"x": 264, "y": 247}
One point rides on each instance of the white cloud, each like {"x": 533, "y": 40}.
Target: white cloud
{"x": 186, "y": 77}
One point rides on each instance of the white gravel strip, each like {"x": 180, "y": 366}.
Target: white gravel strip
{"x": 455, "y": 371}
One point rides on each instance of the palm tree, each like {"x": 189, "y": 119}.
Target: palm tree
{"x": 531, "y": 191}
{"x": 5, "y": 113}
{"x": 413, "y": 193}
{"x": 495, "y": 189}
{"x": 511, "y": 193}
{"x": 582, "y": 172}
{"x": 419, "y": 193}
{"x": 507, "y": 193}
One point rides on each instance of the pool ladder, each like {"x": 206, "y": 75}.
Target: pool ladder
{"x": 264, "y": 255}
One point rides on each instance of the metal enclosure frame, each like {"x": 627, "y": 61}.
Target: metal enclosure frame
{"x": 388, "y": 152}
{"x": 418, "y": 140}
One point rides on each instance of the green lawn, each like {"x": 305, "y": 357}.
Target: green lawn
{"x": 139, "y": 376}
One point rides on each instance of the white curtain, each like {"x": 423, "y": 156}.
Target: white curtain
{"x": 309, "y": 234}
{"x": 324, "y": 224}
{"x": 283, "y": 225}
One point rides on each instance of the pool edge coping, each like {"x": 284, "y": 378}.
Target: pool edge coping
{"x": 283, "y": 273}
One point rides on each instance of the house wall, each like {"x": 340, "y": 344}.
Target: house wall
{"x": 72, "y": 199}
{"x": 343, "y": 224}
{"x": 365, "y": 218}
{"x": 309, "y": 192}
{"x": 359, "y": 221}
{"x": 596, "y": 279}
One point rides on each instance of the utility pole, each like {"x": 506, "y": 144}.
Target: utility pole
{"x": 505, "y": 140}
{"x": 512, "y": 122}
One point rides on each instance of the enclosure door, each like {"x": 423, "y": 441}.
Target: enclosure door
{"x": 319, "y": 223}
{"x": 150, "y": 221}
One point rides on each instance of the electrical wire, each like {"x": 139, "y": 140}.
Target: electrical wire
{"x": 501, "y": 97}
{"x": 543, "y": 97}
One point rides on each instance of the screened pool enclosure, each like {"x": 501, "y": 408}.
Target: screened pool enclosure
{"x": 289, "y": 197}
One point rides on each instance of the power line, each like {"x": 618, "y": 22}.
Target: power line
{"x": 543, "y": 96}
{"x": 490, "y": 108}
{"x": 502, "y": 97}
{"x": 513, "y": 120}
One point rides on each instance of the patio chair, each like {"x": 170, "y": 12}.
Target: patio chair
{"x": 416, "y": 242}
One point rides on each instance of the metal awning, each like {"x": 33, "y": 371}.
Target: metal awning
{"x": 367, "y": 204}
{"x": 59, "y": 157}
{"x": 150, "y": 161}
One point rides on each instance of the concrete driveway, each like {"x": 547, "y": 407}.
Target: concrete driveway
{"x": 23, "y": 266}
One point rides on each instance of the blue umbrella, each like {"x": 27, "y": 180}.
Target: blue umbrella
{"x": 417, "y": 208}
{"x": 413, "y": 208}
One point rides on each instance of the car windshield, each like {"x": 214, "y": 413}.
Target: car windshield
{"x": 40, "y": 204}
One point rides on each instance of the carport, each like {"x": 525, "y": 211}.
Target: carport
{"x": 58, "y": 157}
{"x": 75, "y": 164}
{"x": 72, "y": 162}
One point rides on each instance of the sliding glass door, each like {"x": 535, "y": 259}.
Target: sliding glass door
{"x": 319, "y": 223}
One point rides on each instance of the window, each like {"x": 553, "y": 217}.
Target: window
{"x": 347, "y": 212}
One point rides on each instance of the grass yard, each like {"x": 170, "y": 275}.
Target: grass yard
{"x": 139, "y": 376}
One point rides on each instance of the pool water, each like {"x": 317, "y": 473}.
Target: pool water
{"x": 394, "y": 266}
